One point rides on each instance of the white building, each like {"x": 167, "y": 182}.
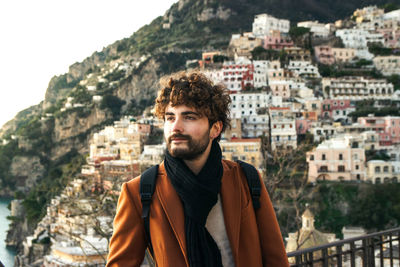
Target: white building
{"x": 261, "y": 72}
{"x": 395, "y": 14}
{"x": 303, "y": 69}
{"x": 316, "y": 28}
{"x": 215, "y": 75}
{"x": 247, "y": 104}
{"x": 152, "y": 154}
{"x": 263, "y": 24}
{"x": 283, "y": 128}
{"x": 255, "y": 126}
{"x": 238, "y": 74}
{"x": 357, "y": 88}
{"x": 359, "y": 39}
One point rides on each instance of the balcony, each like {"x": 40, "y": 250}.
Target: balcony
{"x": 377, "y": 249}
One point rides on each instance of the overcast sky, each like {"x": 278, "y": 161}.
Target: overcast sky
{"x": 42, "y": 38}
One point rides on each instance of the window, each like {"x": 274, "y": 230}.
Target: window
{"x": 340, "y": 168}
{"x": 323, "y": 169}
{"x": 340, "y": 156}
{"x": 386, "y": 169}
{"x": 377, "y": 169}
{"x": 311, "y": 157}
{"x": 323, "y": 157}
{"x": 357, "y": 167}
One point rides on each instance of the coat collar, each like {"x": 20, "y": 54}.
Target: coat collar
{"x": 230, "y": 197}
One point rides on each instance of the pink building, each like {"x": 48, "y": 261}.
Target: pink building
{"x": 388, "y": 128}
{"x": 336, "y": 160}
{"x": 303, "y": 125}
{"x": 280, "y": 88}
{"x": 391, "y": 36}
{"x": 337, "y": 109}
{"x": 276, "y": 41}
{"x": 324, "y": 54}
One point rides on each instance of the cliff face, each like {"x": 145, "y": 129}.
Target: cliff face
{"x": 27, "y": 170}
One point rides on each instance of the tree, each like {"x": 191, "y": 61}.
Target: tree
{"x": 113, "y": 103}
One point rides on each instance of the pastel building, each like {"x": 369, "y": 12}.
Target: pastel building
{"x": 275, "y": 40}
{"x": 241, "y": 45}
{"x": 280, "y": 88}
{"x": 324, "y": 54}
{"x": 297, "y": 53}
{"x": 343, "y": 55}
{"x": 248, "y": 150}
{"x": 235, "y": 131}
{"x": 388, "y": 128}
{"x": 380, "y": 171}
{"x": 387, "y": 65}
{"x": 336, "y": 160}
{"x": 368, "y": 13}
{"x": 313, "y": 104}
{"x": 337, "y": 109}
{"x": 263, "y": 25}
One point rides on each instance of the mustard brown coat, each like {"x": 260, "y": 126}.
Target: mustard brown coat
{"x": 251, "y": 245}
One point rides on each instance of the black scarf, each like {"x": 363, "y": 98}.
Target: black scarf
{"x": 198, "y": 193}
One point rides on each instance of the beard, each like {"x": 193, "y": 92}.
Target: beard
{"x": 193, "y": 149}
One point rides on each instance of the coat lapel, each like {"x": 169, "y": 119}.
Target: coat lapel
{"x": 173, "y": 208}
{"x": 231, "y": 199}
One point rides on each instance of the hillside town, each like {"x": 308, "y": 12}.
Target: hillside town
{"x": 277, "y": 104}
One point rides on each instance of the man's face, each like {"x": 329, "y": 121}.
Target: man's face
{"x": 186, "y": 132}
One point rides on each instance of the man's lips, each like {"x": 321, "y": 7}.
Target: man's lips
{"x": 178, "y": 138}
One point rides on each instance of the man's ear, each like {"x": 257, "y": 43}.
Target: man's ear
{"x": 216, "y": 129}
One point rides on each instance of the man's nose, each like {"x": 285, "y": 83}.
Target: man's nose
{"x": 177, "y": 125}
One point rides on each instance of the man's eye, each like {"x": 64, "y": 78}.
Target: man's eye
{"x": 190, "y": 118}
{"x": 169, "y": 118}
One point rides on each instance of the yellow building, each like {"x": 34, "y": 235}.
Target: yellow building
{"x": 343, "y": 54}
{"x": 248, "y": 150}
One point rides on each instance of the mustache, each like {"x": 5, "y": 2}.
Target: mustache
{"x": 180, "y": 136}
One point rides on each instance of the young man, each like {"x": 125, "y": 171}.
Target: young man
{"x": 201, "y": 212}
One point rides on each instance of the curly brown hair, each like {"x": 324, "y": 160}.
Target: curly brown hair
{"x": 195, "y": 90}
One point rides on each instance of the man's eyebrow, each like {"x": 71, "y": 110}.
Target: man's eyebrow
{"x": 191, "y": 113}
{"x": 169, "y": 113}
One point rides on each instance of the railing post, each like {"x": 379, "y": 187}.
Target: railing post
{"x": 391, "y": 249}
{"x": 339, "y": 255}
{"x": 310, "y": 259}
{"x": 365, "y": 252}
{"x": 325, "y": 257}
{"x": 352, "y": 254}
{"x": 298, "y": 260}
{"x": 371, "y": 256}
{"x": 381, "y": 249}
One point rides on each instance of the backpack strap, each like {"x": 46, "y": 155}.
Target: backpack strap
{"x": 253, "y": 181}
{"x": 147, "y": 186}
